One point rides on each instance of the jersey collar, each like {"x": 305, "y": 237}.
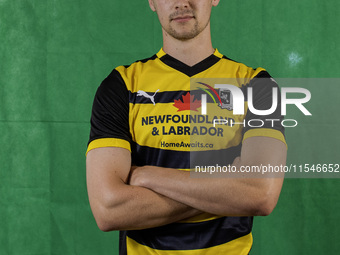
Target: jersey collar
{"x": 189, "y": 70}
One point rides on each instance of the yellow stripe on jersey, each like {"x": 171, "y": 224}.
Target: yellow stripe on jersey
{"x": 257, "y": 71}
{"x": 200, "y": 218}
{"x": 218, "y": 54}
{"x": 267, "y": 132}
{"x": 161, "y": 53}
{"x": 239, "y": 246}
{"x": 108, "y": 142}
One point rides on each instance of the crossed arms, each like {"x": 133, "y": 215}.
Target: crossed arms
{"x": 122, "y": 198}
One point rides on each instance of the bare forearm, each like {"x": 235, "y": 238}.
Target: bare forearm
{"x": 225, "y": 196}
{"x": 141, "y": 208}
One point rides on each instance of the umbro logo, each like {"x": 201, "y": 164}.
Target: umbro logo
{"x": 144, "y": 94}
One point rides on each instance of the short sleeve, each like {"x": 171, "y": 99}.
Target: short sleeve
{"x": 110, "y": 115}
{"x": 264, "y": 125}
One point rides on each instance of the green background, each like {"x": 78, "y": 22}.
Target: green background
{"x": 55, "y": 53}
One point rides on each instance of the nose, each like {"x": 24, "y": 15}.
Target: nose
{"x": 182, "y": 4}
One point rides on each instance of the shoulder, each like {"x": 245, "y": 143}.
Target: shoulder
{"x": 135, "y": 67}
{"x": 241, "y": 69}
{"x": 121, "y": 76}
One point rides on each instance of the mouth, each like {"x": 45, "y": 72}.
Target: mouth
{"x": 184, "y": 18}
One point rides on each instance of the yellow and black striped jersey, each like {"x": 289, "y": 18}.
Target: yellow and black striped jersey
{"x": 152, "y": 109}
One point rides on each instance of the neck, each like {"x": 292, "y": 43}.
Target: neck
{"x": 192, "y": 51}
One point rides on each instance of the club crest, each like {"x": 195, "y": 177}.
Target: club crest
{"x": 226, "y": 99}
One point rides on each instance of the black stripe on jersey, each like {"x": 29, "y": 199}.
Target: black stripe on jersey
{"x": 171, "y": 96}
{"x": 262, "y": 85}
{"x": 110, "y": 110}
{"x": 144, "y": 155}
{"x": 166, "y": 97}
{"x": 160, "y": 97}
{"x": 190, "y": 236}
{"x": 190, "y": 70}
{"x": 122, "y": 243}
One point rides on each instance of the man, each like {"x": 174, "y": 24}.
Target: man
{"x": 141, "y": 112}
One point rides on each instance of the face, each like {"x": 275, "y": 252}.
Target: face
{"x": 183, "y": 19}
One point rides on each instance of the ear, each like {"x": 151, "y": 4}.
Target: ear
{"x": 152, "y": 5}
{"x": 215, "y": 2}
